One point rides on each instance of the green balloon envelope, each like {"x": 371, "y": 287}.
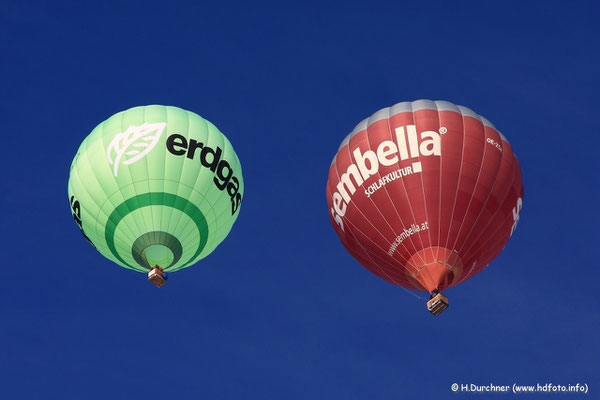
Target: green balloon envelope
{"x": 155, "y": 185}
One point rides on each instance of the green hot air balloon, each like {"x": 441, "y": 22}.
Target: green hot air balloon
{"x": 155, "y": 189}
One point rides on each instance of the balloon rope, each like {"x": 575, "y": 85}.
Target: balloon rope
{"x": 414, "y": 294}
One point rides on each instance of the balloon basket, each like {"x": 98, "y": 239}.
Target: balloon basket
{"x": 156, "y": 276}
{"x": 437, "y": 304}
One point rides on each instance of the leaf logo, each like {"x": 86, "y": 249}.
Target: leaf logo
{"x": 133, "y": 144}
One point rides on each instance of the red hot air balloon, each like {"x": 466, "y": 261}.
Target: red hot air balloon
{"x": 425, "y": 195}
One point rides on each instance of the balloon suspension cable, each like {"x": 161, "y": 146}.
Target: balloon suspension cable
{"x": 414, "y": 294}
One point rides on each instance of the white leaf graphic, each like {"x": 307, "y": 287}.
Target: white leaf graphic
{"x": 144, "y": 137}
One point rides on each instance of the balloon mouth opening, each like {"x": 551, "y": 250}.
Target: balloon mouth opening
{"x": 434, "y": 268}
{"x": 435, "y": 276}
{"x": 157, "y": 248}
{"x": 158, "y": 254}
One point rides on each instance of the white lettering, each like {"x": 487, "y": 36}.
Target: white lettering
{"x": 360, "y": 160}
{"x": 401, "y": 139}
{"x": 386, "y": 149}
{"x": 338, "y": 205}
{"x": 387, "y": 154}
{"x": 432, "y": 146}
{"x": 412, "y": 141}
{"x": 345, "y": 180}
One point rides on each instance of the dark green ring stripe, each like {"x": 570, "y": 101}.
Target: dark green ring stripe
{"x": 155, "y": 199}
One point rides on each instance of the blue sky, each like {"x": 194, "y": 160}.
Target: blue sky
{"x": 280, "y": 310}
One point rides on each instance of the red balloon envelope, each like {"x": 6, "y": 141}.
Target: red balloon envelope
{"x": 425, "y": 194}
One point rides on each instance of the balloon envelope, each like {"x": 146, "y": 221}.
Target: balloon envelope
{"x": 425, "y": 194}
{"x": 155, "y": 185}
